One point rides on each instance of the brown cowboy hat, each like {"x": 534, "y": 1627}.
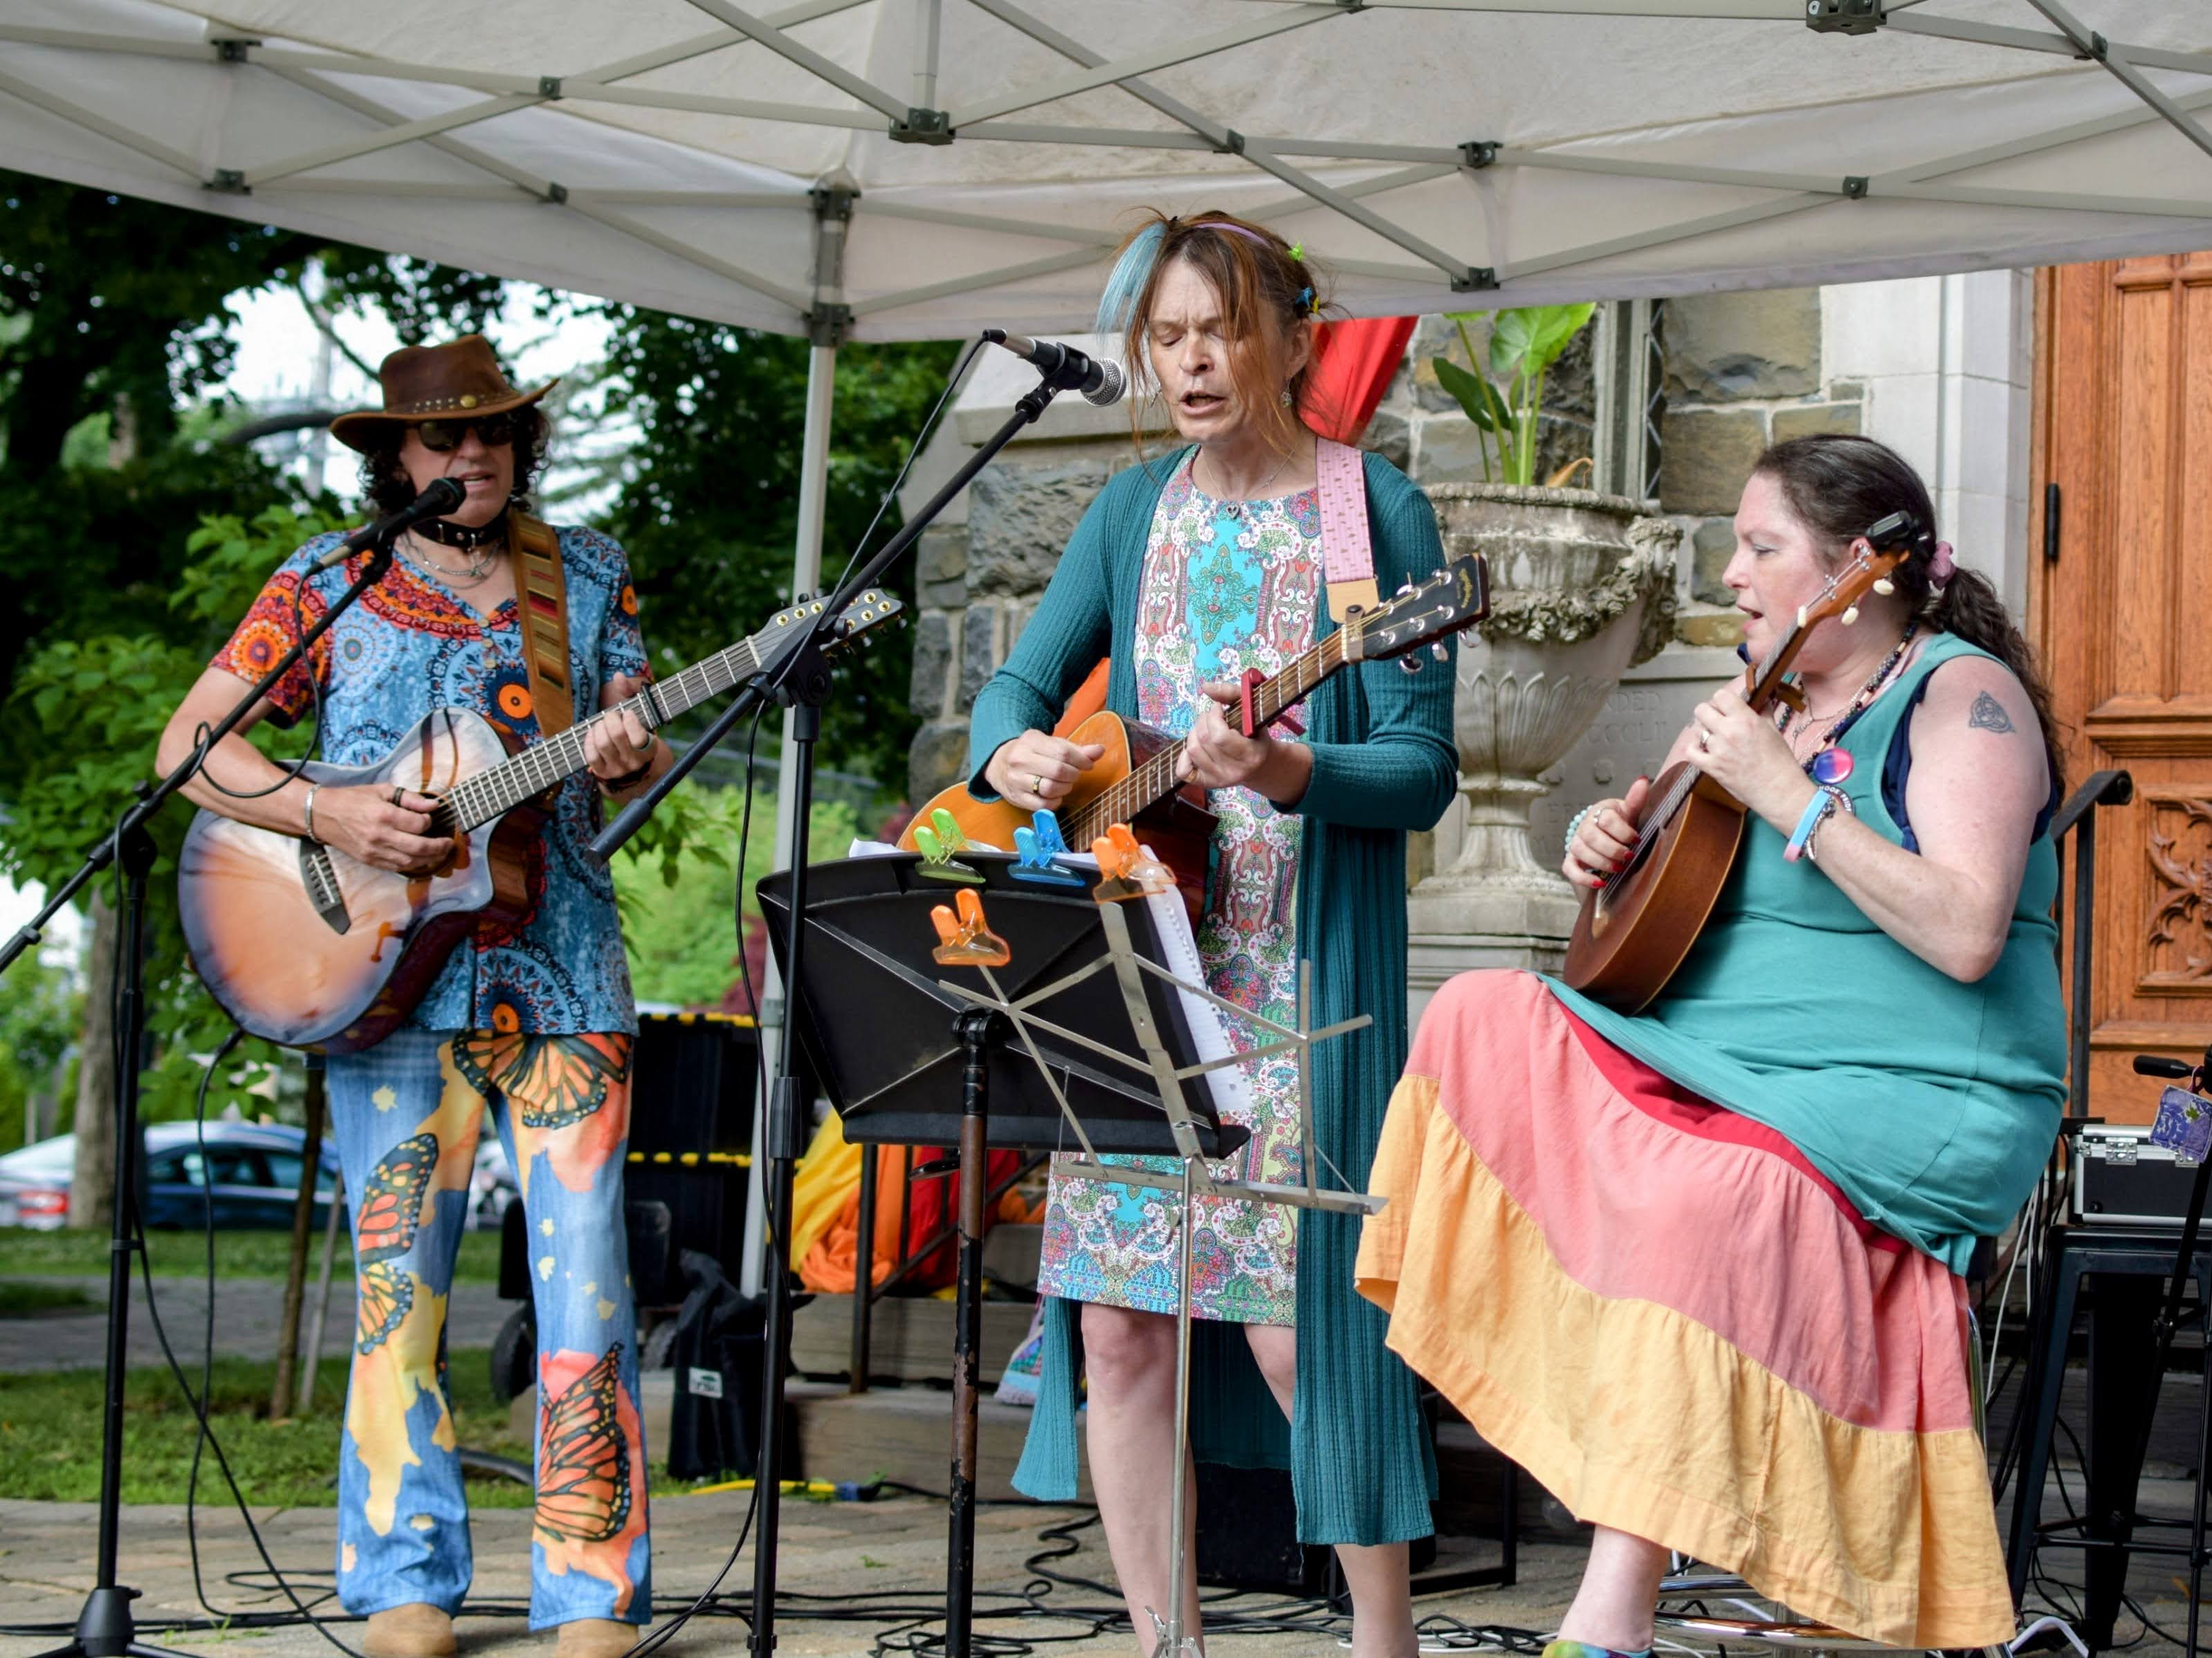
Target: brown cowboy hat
{"x": 460, "y": 380}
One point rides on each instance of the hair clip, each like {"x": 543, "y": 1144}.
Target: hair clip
{"x": 1299, "y": 252}
{"x": 965, "y": 939}
{"x": 1126, "y": 869}
{"x": 1305, "y": 302}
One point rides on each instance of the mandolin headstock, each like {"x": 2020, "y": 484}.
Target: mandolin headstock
{"x": 1886, "y": 544}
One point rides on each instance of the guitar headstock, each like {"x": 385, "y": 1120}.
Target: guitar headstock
{"x": 1452, "y": 598}
{"x": 868, "y": 611}
{"x": 1888, "y": 544}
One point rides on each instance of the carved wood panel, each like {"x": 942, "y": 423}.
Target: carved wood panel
{"x": 2124, "y": 620}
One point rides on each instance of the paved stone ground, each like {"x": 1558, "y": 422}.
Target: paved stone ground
{"x": 247, "y": 1312}
{"x": 840, "y": 1550}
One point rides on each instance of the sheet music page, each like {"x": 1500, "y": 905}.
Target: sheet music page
{"x": 1209, "y": 1033}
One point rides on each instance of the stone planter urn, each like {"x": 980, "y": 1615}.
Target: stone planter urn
{"x": 1582, "y": 588}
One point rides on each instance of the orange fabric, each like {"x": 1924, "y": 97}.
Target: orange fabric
{"x": 1090, "y": 697}
{"x": 831, "y": 1268}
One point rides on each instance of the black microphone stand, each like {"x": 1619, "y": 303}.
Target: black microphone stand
{"x": 803, "y": 684}
{"x": 105, "y": 1628}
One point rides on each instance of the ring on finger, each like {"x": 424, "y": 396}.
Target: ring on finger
{"x": 1036, "y": 785}
{"x": 1704, "y": 742}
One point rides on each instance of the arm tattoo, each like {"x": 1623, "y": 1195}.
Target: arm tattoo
{"x": 1987, "y": 714}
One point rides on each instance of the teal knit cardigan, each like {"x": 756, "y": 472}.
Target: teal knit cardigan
{"x": 1384, "y": 764}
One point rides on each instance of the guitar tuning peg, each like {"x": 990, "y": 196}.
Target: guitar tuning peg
{"x": 1437, "y": 649}
{"x": 1411, "y": 663}
{"x": 1850, "y": 614}
{"x": 1404, "y": 587}
{"x": 1885, "y": 586}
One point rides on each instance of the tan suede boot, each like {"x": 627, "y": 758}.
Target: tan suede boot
{"x": 416, "y": 1631}
{"x": 598, "y": 1637}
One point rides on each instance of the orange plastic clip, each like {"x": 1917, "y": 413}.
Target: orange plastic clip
{"x": 1126, "y": 870}
{"x": 966, "y": 940}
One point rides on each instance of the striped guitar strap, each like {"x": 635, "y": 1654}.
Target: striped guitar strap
{"x": 542, "y": 601}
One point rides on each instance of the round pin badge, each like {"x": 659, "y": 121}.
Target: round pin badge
{"x": 1831, "y": 766}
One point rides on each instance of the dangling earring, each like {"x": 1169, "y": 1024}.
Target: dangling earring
{"x": 1288, "y": 400}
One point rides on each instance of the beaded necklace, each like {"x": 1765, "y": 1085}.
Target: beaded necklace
{"x": 1830, "y": 764}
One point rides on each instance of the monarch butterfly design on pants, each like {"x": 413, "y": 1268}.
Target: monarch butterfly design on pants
{"x": 388, "y": 1215}
{"x": 583, "y": 1461}
{"x": 556, "y": 1080}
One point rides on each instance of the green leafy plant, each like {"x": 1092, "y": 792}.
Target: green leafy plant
{"x": 1523, "y": 345}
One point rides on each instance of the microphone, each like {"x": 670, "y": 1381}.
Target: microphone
{"x": 1066, "y": 367}
{"x": 444, "y": 496}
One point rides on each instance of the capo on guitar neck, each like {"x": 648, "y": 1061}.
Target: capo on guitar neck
{"x": 965, "y": 939}
{"x": 1785, "y": 691}
{"x": 1254, "y": 678}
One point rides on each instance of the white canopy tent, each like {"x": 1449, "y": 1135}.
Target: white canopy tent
{"x": 688, "y": 153}
{"x": 904, "y": 169}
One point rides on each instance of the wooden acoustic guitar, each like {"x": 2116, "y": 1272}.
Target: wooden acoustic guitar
{"x": 1635, "y": 930}
{"x": 1134, "y": 781}
{"x": 305, "y": 946}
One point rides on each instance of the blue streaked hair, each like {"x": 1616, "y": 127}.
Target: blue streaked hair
{"x": 1124, "y": 284}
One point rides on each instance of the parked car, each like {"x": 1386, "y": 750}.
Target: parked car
{"x": 250, "y": 1173}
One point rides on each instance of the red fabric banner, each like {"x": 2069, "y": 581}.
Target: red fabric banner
{"x": 1353, "y": 362}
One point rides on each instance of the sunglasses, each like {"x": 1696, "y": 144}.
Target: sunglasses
{"x": 442, "y": 436}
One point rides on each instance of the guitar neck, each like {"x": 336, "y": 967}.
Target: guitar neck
{"x": 486, "y": 795}
{"x": 1156, "y": 779}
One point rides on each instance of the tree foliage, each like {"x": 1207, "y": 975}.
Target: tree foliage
{"x": 709, "y": 508}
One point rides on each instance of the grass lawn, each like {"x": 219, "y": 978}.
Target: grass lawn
{"x": 50, "y": 1437}
{"x": 184, "y": 1255}
{"x": 29, "y": 1300}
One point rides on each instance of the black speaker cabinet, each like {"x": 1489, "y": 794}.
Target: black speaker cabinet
{"x": 1247, "y": 1534}
{"x": 692, "y": 1085}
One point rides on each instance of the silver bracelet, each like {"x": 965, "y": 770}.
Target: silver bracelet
{"x": 1574, "y": 824}
{"x": 1839, "y": 806}
{"x": 308, "y": 812}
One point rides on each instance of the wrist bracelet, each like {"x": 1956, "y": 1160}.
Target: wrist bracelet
{"x": 1574, "y": 824}
{"x": 628, "y": 780}
{"x": 1826, "y": 800}
{"x": 308, "y": 813}
{"x": 1844, "y": 808}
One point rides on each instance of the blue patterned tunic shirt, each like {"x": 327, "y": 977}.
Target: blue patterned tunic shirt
{"x": 411, "y": 645}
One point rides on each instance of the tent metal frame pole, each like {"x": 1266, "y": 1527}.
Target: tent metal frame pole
{"x": 2115, "y": 60}
{"x": 547, "y": 189}
{"x": 428, "y": 126}
{"x": 1591, "y": 252}
{"x": 1106, "y": 72}
{"x": 763, "y": 32}
{"x": 929, "y": 36}
{"x": 832, "y": 204}
{"x": 114, "y": 131}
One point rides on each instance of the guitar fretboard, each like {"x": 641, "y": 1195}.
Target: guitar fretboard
{"x": 480, "y": 798}
{"x": 1156, "y": 779}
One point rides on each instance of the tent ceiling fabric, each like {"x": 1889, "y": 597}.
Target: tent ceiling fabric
{"x": 669, "y": 152}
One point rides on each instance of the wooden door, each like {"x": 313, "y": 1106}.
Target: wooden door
{"x": 2122, "y": 615}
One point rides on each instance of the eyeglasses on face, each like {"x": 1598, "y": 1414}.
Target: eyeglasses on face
{"x": 442, "y": 436}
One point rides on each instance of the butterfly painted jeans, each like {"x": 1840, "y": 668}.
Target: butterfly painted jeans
{"x": 407, "y": 1114}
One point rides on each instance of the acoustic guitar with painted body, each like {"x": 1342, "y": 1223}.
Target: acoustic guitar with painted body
{"x": 305, "y": 946}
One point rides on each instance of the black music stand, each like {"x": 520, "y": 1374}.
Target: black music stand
{"x": 906, "y": 1060}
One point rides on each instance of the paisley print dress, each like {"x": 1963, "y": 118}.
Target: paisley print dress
{"x": 1227, "y": 586}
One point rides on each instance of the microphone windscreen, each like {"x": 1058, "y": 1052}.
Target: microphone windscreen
{"x": 1112, "y": 382}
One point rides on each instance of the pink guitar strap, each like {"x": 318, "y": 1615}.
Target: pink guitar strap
{"x": 1347, "y": 553}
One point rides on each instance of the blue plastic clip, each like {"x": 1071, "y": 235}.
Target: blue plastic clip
{"x": 1040, "y": 845}
{"x": 938, "y": 843}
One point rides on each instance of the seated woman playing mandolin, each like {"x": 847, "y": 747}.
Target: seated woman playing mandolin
{"x": 1189, "y": 572}
{"x": 1695, "y": 1266}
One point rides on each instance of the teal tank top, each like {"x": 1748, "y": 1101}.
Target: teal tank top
{"x": 1931, "y": 1103}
